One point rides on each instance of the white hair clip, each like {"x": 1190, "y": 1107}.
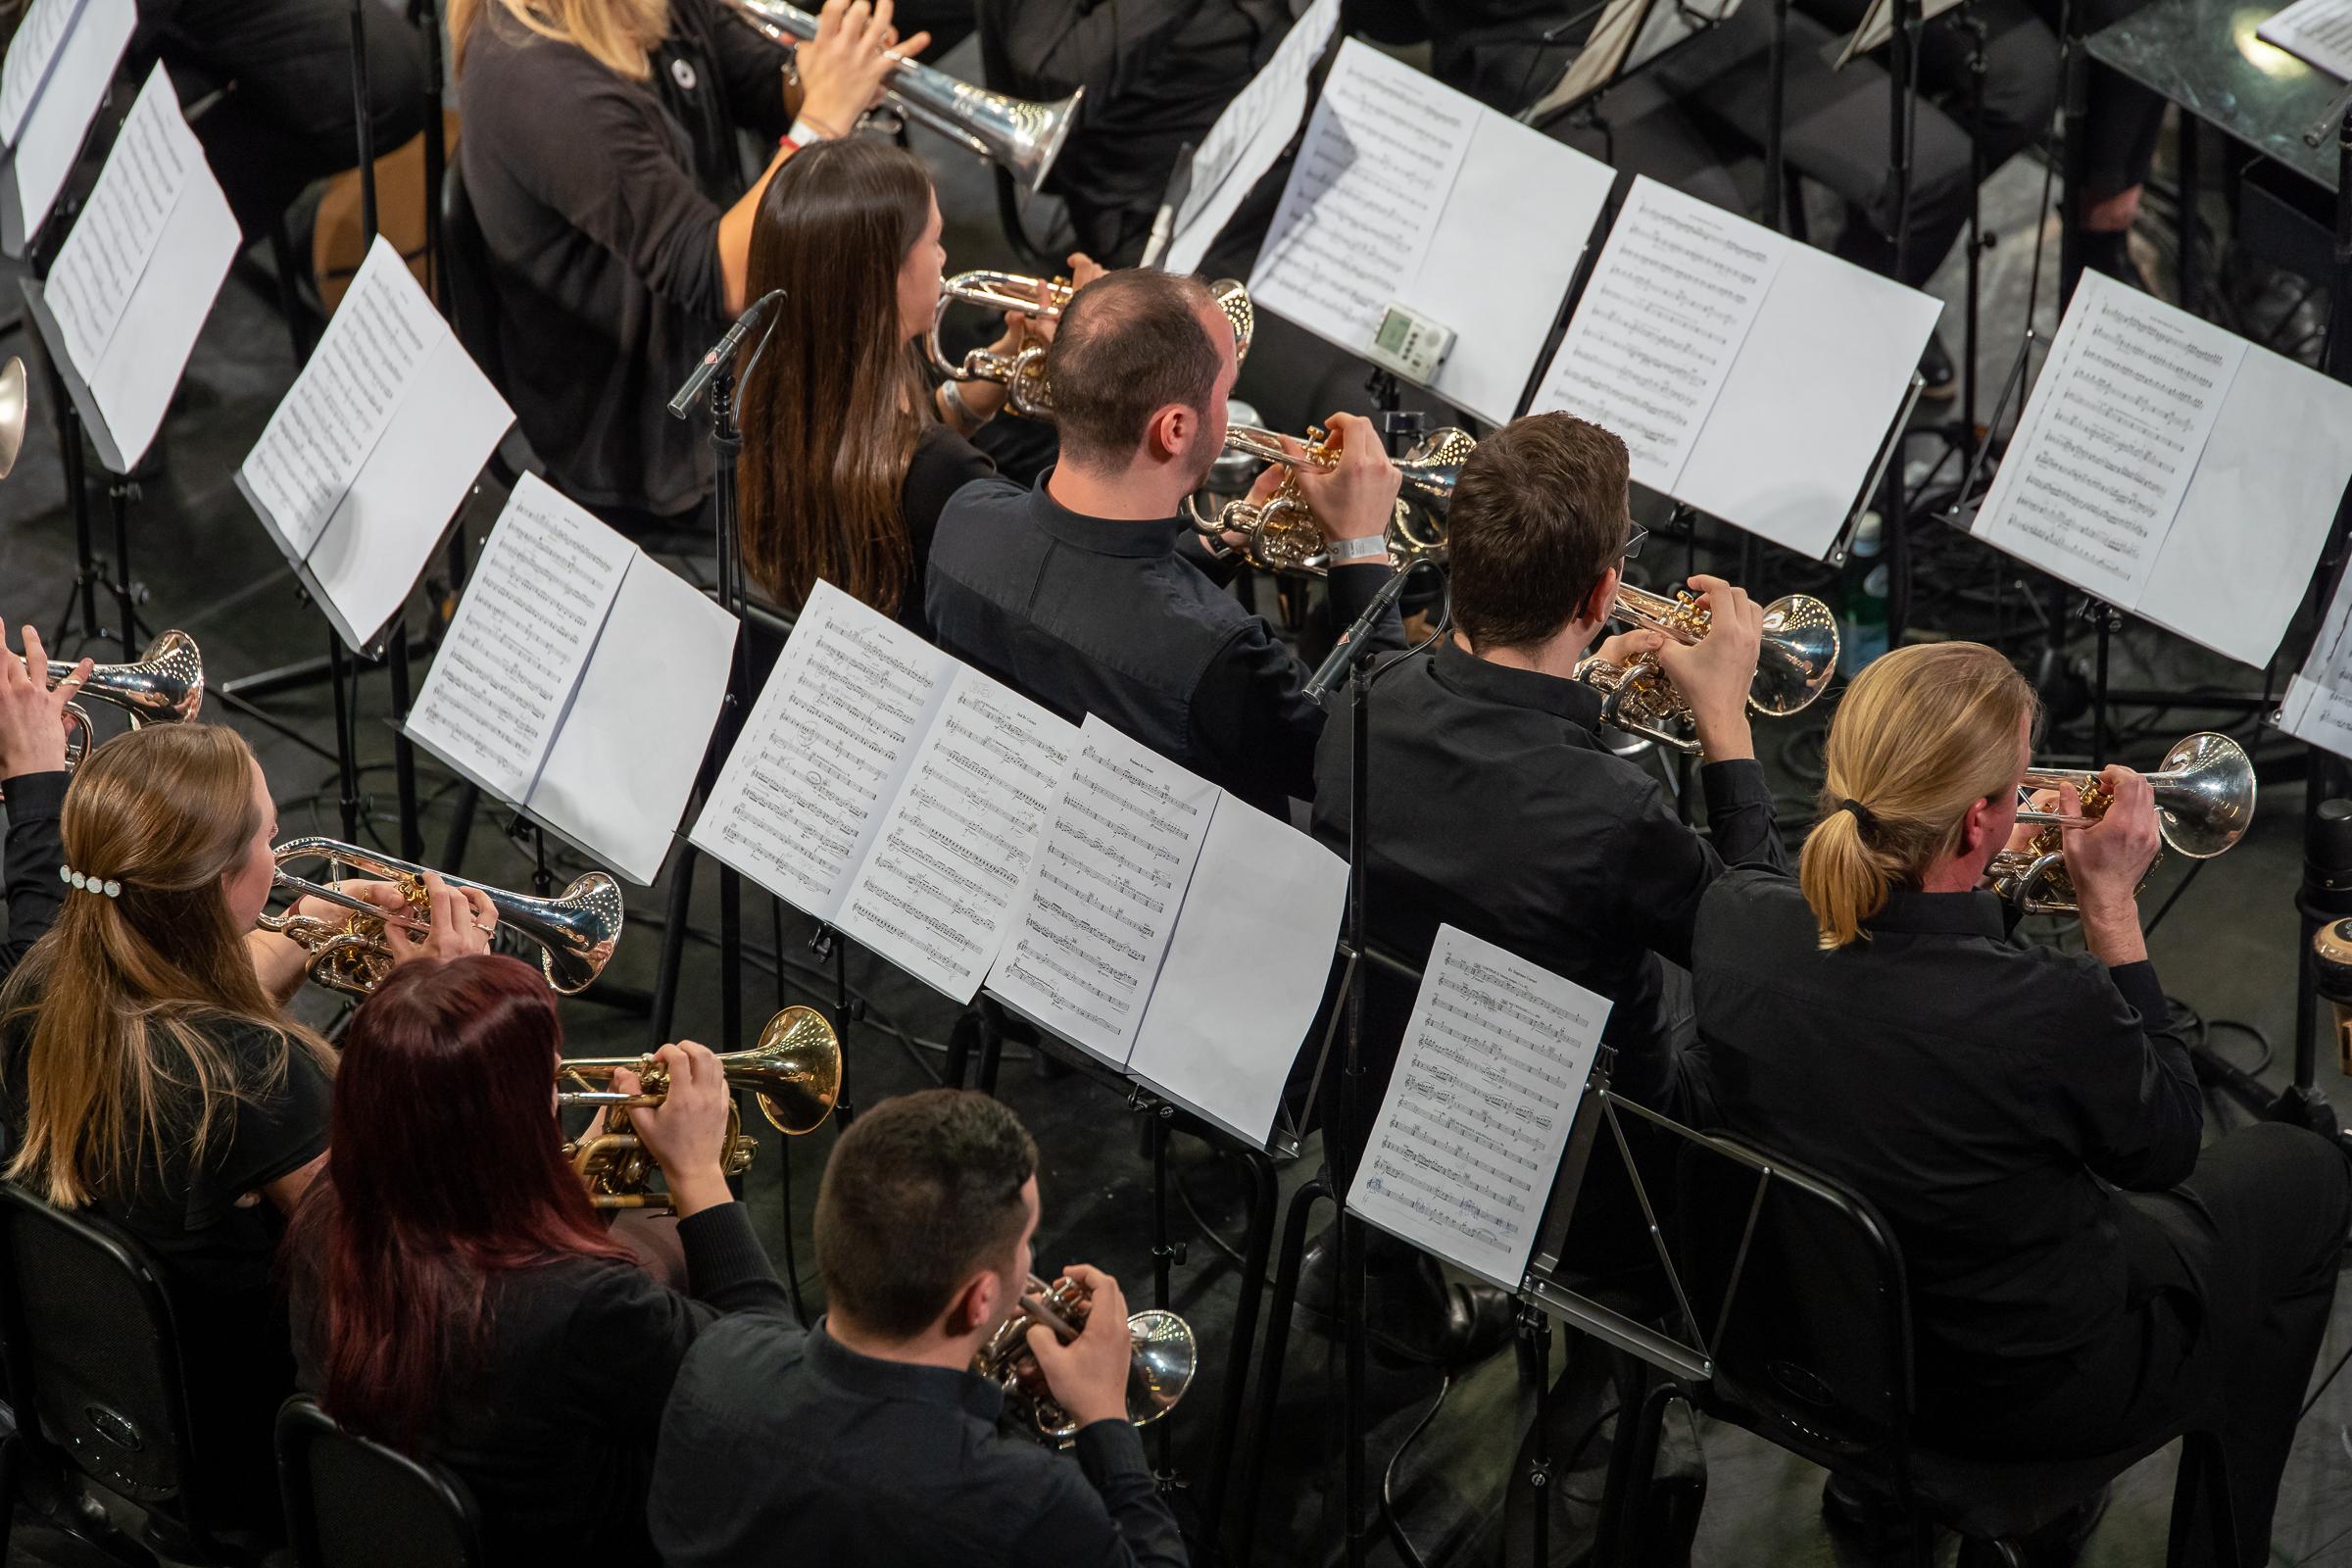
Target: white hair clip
{"x": 89, "y": 884}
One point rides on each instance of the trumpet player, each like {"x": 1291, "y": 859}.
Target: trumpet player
{"x": 33, "y": 779}
{"x": 1074, "y": 591}
{"x": 453, "y": 1293}
{"x": 874, "y": 1441}
{"x": 2082, "y": 1277}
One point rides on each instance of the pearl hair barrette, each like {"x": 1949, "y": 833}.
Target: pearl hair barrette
{"x": 83, "y": 883}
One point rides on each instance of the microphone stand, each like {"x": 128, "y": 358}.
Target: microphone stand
{"x": 338, "y": 665}
{"x": 1902, "y": 100}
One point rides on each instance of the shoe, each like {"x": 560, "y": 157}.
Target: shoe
{"x": 2056, "y": 1545}
{"x": 1414, "y": 1315}
{"x": 1937, "y": 370}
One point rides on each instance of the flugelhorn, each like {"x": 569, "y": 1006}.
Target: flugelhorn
{"x": 1022, "y": 372}
{"x": 1281, "y": 532}
{"x": 1795, "y": 661}
{"x": 2204, "y": 804}
{"x": 1166, "y": 1356}
{"x": 15, "y": 406}
{"x": 575, "y": 931}
{"x": 1024, "y": 136}
{"x": 164, "y": 686}
{"x": 794, "y": 1072}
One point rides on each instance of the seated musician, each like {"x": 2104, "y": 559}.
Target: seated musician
{"x": 453, "y": 1291}
{"x": 1074, "y": 591}
{"x": 33, "y": 786}
{"x": 151, "y": 1072}
{"x": 1500, "y": 808}
{"x": 870, "y": 1439}
{"x": 600, "y": 160}
{"x": 2081, "y": 1275}
{"x": 849, "y": 451}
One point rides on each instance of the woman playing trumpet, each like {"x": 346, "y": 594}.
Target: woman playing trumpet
{"x": 150, "y": 1072}
{"x": 454, "y": 1292}
{"x": 33, "y": 779}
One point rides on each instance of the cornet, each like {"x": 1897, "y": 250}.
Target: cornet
{"x": 1166, "y": 1355}
{"x": 1795, "y": 662}
{"x": 2204, "y": 805}
{"x": 1025, "y": 137}
{"x": 576, "y": 933}
{"x": 1022, "y": 372}
{"x": 794, "y": 1072}
{"x": 1281, "y": 533}
{"x": 165, "y": 686}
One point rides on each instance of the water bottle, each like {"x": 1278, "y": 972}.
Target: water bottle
{"x": 1862, "y": 612}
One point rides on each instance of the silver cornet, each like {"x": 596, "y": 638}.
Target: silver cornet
{"x": 575, "y": 931}
{"x": 1281, "y": 533}
{"x": 1022, "y": 135}
{"x": 1166, "y": 1356}
{"x": 2204, "y": 804}
{"x": 1794, "y": 664}
{"x": 164, "y": 686}
{"x": 1022, "y": 372}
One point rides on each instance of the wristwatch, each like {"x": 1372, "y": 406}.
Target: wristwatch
{"x": 1351, "y": 552}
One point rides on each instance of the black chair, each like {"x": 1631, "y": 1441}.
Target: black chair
{"x": 94, "y": 1368}
{"x": 352, "y": 1502}
{"x": 469, "y": 283}
{"x": 1796, "y": 1287}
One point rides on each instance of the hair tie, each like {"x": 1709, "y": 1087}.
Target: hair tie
{"x": 1862, "y": 818}
{"x": 85, "y": 883}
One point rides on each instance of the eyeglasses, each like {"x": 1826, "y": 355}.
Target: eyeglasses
{"x": 1634, "y": 543}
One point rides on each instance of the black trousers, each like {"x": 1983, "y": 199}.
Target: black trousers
{"x": 2233, "y": 1277}
{"x": 281, "y": 69}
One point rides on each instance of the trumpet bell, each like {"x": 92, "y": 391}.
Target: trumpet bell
{"x": 794, "y": 1072}
{"x": 1797, "y": 656}
{"x": 1166, "y": 1356}
{"x": 15, "y": 407}
{"x": 2204, "y": 794}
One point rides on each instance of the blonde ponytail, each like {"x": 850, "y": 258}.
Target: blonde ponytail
{"x": 1922, "y": 735}
{"x": 620, "y": 35}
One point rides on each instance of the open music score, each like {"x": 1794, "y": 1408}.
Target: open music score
{"x": 1407, "y": 192}
{"x": 2318, "y": 31}
{"x": 1493, "y": 1063}
{"x": 2174, "y": 470}
{"x": 887, "y": 789}
{"x": 1248, "y": 137}
{"x": 580, "y": 681}
{"x": 53, "y": 76}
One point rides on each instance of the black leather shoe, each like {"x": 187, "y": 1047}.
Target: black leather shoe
{"x": 1413, "y": 1314}
{"x": 2056, "y": 1545}
{"x": 1937, "y": 370}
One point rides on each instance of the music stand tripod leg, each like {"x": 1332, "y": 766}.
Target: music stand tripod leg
{"x": 1257, "y": 1245}
{"x": 1278, "y": 1341}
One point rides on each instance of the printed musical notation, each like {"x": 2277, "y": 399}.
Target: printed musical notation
{"x": 1121, "y": 837}
{"x": 1670, "y": 302}
{"x": 112, "y": 243}
{"x": 2316, "y": 30}
{"x": 2111, "y": 439}
{"x": 1493, "y": 1063}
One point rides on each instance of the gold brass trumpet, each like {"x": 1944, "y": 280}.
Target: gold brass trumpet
{"x": 1281, "y": 533}
{"x": 1166, "y": 1356}
{"x": 2204, "y": 804}
{"x": 1024, "y": 136}
{"x": 1794, "y": 664}
{"x": 165, "y": 686}
{"x": 794, "y": 1072}
{"x": 1022, "y": 372}
{"x": 576, "y": 933}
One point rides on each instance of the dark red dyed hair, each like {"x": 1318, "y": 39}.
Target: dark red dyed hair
{"x": 446, "y": 1168}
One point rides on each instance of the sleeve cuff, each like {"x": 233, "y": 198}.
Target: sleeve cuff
{"x": 35, "y": 795}
{"x": 721, "y": 1249}
{"x": 1107, "y": 1450}
{"x": 1731, "y": 784}
{"x": 2143, "y": 991}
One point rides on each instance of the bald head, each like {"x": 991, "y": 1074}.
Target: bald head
{"x": 1132, "y": 346}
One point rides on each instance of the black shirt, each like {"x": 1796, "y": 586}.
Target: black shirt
{"x": 554, "y": 1432}
{"x": 30, "y": 859}
{"x": 944, "y": 463}
{"x": 1497, "y": 808}
{"x": 1095, "y": 615}
{"x": 1978, "y": 1093}
{"x": 785, "y": 1447}
{"x": 600, "y": 200}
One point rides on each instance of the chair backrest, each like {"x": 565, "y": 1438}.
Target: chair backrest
{"x": 352, "y": 1502}
{"x": 92, "y": 1358}
{"x": 468, "y": 276}
{"x": 1796, "y": 1286}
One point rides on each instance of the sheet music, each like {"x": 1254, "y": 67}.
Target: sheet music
{"x": 936, "y": 891}
{"x": 2110, "y": 439}
{"x": 103, "y": 257}
{"x": 522, "y": 634}
{"x": 1630, "y": 34}
{"x": 1380, "y": 160}
{"x": 1092, "y": 924}
{"x": 30, "y": 53}
{"x": 829, "y": 741}
{"x": 2319, "y": 700}
{"x": 1670, "y": 302}
{"x": 1249, "y": 137}
{"x": 64, "y": 100}
{"x": 1245, "y": 972}
{"x": 2318, "y": 31}
{"x": 1462, "y": 1159}
{"x": 343, "y": 401}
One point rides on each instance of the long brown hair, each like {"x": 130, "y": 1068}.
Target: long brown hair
{"x": 119, "y": 989}
{"x": 620, "y": 35}
{"x": 1922, "y": 735}
{"x": 833, "y": 408}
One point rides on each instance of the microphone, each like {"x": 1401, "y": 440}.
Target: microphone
{"x": 720, "y": 352}
{"x": 1343, "y": 653}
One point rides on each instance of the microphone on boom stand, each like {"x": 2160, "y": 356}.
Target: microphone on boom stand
{"x": 682, "y": 405}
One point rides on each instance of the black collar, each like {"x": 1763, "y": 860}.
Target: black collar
{"x": 1105, "y": 536}
{"x": 1974, "y": 913}
{"x": 1481, "y": 678}
{"x": 875, "y": 1379}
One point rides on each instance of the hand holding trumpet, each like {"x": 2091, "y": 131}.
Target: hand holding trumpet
{"x": 843, "y": 70}
{"x": 1088, "y": 1375}
{"x": 686, "y": 1131}
{"x": 1355, "y": 499}
{"x": 34, "y": 723}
